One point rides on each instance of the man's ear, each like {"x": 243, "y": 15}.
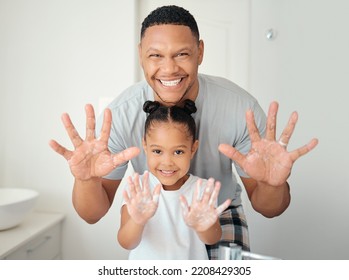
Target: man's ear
{"x": 201, "y": 52}
{"x": 144, "y": 145}
{"x": 140, "y": 55}
{"x": 194, "y": 148}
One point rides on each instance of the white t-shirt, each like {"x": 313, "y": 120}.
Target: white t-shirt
{"x": 220, "y": 118}
{"x": 166, "y": 236}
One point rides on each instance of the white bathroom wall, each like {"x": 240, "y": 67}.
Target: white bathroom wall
{"x": 305, "y": 68}
{"x": 56, "y": 56}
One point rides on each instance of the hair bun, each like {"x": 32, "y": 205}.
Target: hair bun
{"x": 189, "y": 106}
{"x": 150, "y": 106}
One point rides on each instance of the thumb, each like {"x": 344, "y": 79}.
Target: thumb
{"x": 231, "y": 152}
{"x": 222, "y": 207}
{"x": 125, "y": 155}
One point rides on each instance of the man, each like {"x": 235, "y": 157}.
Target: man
{"x": 230, "y": 124}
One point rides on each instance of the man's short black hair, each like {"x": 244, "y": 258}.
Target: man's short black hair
{"x": 171, "y": 15}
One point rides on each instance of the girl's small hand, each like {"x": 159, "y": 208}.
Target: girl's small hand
{"x": 141, "y": 204}
{"x": 202, "y": 213}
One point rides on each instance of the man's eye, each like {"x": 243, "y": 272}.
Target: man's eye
{"x": 182, "y": 54}
{"x": 154, "y": 55}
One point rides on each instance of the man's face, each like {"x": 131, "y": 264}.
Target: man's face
{"x": 170, "y": 56}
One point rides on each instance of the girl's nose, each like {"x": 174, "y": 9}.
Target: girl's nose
{"x": 167, "y": 160}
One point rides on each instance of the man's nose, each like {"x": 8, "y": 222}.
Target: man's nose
{"x": 170, "y": 65}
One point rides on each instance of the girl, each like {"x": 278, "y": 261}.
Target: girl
{"x": 152, "y": 225}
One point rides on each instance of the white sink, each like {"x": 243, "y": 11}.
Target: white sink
{"x": 15, "y": 204}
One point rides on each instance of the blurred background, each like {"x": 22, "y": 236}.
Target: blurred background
{"x": 57, "y": 56}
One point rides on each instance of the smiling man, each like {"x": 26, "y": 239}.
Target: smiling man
{"x": 170, "y": 55}
{"x": 230, "y": 125}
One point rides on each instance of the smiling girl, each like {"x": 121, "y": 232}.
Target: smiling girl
{"x": 156, "y": 221}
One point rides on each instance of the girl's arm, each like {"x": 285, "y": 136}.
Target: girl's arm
{"x": 212, "y": 235}
{"x": 140, "y": 206}
{"x": 130, "y": 233}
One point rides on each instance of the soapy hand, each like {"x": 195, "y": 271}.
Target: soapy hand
{"x": 91, "y": 157}
{"x": 268, "y": 160}
{"x": 203, "y": 213}
{"x": 141, "y": 204}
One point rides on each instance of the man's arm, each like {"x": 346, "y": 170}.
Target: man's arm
{"x": 270, "y": 201}
{"x": 268, "y": 163}
{"x": 89, "y": 161}
{"x": 93, "y": 198}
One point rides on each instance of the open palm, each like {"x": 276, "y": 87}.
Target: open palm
{"x": 268, "y": 159}
{"x": 91, "y": 157}
{"x": 203, "y": 213}
{"x": 141, "y": 203}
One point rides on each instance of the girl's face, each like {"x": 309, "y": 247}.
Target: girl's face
{"x": 169, "y": 150}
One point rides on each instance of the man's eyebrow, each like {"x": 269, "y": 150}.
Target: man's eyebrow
{"x": 154, "y": 49}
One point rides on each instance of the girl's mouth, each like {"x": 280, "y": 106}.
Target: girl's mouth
{"x": 167, "y": 172}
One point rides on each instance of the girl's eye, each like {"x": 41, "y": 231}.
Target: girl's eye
{"x": 179, "y": 152}
{"x": 158, "y": 152}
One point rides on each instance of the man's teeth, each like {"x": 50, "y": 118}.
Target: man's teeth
{"x": 170, "y": 83}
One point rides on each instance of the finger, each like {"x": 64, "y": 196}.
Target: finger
{"x": 232, "y": 153}
{"x": 288, "y": 131}
{"x": 125, "y": 155}
{"x": 60, "y": 149}
{"x": 136, "y": 182}
{"x": 214, "y": 196}
{"x": 131, "y": 186}
{"x": 304, "y": 150}
{"x": 197, "y": 193}
{"x": 184, "y": 205}
{"x": 105, "y": 131}
{"x": 251, "y": 126}
{"x": 145, "y": 184}
{"x": 72, "y": 133}
{"x": 90, "y": 122}
{"x": 222, "y": 207}
{"x": 156, "y": 193}
{"x": 126, "y": 197}
{"x": 208, "y": 191}
{"x": 271, "y": 121}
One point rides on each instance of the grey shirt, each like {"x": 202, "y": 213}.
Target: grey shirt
{"x": 220, "y": 118}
